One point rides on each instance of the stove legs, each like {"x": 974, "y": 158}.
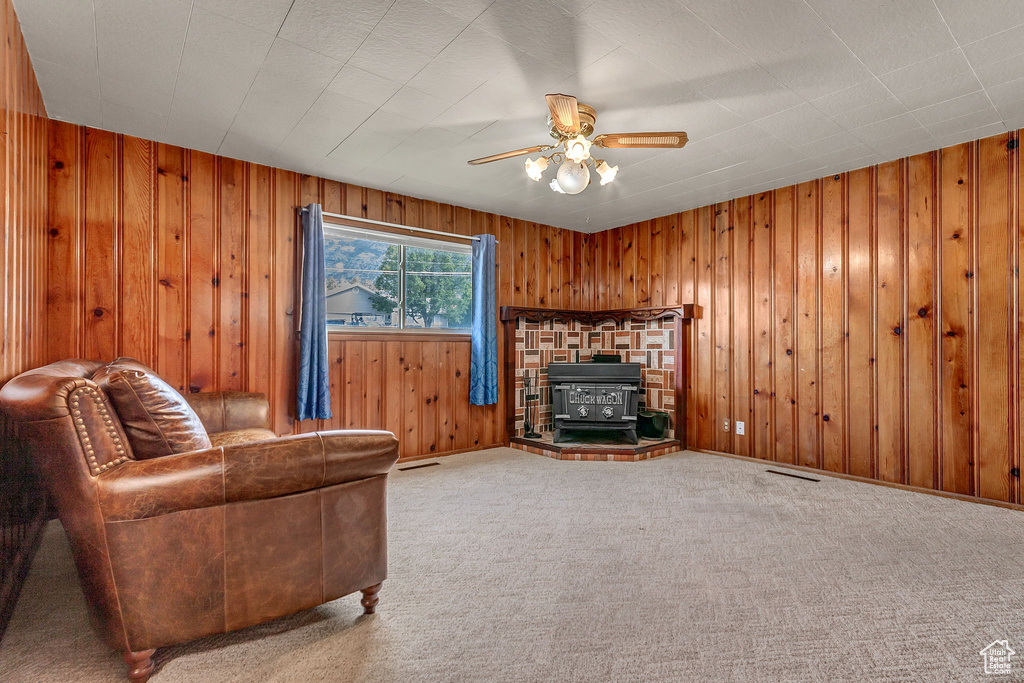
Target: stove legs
{"x": 631, "y": 435}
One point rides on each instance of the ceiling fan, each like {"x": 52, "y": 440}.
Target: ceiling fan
{"x": 571, "y": 124}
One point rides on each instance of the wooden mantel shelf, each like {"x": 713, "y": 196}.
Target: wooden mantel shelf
{"x": 684, "y": 312}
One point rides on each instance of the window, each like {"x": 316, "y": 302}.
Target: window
{"x": 384, "y": 280}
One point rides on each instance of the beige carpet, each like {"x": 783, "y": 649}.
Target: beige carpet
{"x": 507, "y": 566}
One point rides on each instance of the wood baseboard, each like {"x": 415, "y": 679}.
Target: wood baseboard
{"x": 427, "y": 456}
{"x": 866, "y": 480}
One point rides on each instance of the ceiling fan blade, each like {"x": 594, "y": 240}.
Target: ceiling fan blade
{"x": 509, "y": 155}
{"x": 641, "y": 140}
{"x": 565, "y": 113}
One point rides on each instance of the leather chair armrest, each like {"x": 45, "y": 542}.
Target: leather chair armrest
{"x": 225, "y": 411}
{"x": 251, "y": 471}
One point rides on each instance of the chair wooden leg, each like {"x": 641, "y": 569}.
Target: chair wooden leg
{"x": 140, "y": 665}
{"x": 370, "y": 598}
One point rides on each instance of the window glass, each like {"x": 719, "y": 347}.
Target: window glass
{"x": 396, "y": 282}
{"x": 438, "y": 289}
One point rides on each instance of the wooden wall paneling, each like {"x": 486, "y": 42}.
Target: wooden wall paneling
{"x": 446, "y": 417}
{"x": 642, "y": 259}
{"x": 628, "y": 236}
{"x": 703, "y": 369}
{"x": 172, "y": 255}
{"x": 257, "y": 275}
{"x": 232, "y": 274}
{"x": 860, "y": 389}
{"x": 657, "y": 263}
{"x": 351, "y": 389}
{"x": 567, "y": 289}
{"x": 551, "y": 276}
{"x": 722, "y": 326}
{"x": 35, "y": 236}
{"x": 102, "y": 246}
{"x": 994, "y": 284}
{"x": 530, "y": 251}
{"x": 64, "y": 252}
{"x": 807, "y": 325}
{"x": 138, "y": 281}
{"x": 375, "y": 391}
{"x": 464, "y": 432}
{"x": 602, "y": 275}
{"x": 783, "y": 288}
{"x": 337, "y": 367}
{"x": 431, "y": 377}
{"x": 957, "y": 315}
{"x": 762, "y": 316}
{"x": 890, "y": 465}
{"x": 672, "y": 241}
{"x": 412, "y": 388}
{"x": 286, "y": 255}
{"x": 519, "y": 277}
{"x": 833, "y": 323}
{"x": 744, "y": 342}
{"x": 920, "y": 332}
{"x": 687, "y": 269}
{"x": 203, "y": 230}
{"x": 1017, "y": 187}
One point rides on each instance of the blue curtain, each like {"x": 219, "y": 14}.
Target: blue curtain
{"x": 314, "y": 390}
{"x": 483, "y": 369}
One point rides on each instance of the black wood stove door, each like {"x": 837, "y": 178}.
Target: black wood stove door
{"x": 580, "y": 402}
{"x": 611, "y": 402}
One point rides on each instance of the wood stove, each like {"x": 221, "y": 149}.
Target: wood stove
{"x": 594, "y": 396}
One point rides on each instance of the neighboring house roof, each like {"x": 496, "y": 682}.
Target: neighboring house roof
{"x": 348, "y": 287}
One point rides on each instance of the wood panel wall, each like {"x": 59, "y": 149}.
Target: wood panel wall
{"x": 868, "y": 323}
{"x": 23, "y": 189}
{"x": 22, "y": 295}
{"x": 188, "y": 262}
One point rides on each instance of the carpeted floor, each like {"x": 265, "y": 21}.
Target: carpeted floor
{"x": 507, "y": 566}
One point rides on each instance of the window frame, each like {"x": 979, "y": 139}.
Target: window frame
{"x": 402, "y": 240}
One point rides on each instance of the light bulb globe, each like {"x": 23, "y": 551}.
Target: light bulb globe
{"x": 573, "y": 178}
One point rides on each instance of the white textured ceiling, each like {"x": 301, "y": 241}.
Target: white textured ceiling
{"x": 398, "y": 94}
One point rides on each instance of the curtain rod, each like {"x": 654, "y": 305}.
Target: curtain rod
{"x": 397, "y": 226}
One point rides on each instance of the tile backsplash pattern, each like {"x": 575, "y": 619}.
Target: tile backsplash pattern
{"x": 651, "y": 343}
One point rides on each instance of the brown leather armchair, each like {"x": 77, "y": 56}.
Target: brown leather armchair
{"x": 183, "y": 546}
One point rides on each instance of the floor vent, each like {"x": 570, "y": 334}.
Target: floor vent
{"x": 795, "y": 476}
{"x": 416, "y": 467}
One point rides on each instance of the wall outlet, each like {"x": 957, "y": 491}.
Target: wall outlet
{"x": 725, "y": 425}
{"x": 739, "y": 427}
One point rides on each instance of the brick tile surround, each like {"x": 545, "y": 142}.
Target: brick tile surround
{"x": 651, "y": 343}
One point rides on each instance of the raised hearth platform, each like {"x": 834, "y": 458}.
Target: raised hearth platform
{"x": 610, "y": 449}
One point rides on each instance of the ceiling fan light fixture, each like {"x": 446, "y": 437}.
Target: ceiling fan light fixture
{"x": 535, "y": 168}
{"x": 577, "y": 149}
{"x": 556, "y": 187}
{"x": 607, "y": 172}
{"x": 572, "y": 177}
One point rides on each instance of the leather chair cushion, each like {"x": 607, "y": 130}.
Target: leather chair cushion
{"x": 241, "y": 436}
{"x": 155, "y": 417}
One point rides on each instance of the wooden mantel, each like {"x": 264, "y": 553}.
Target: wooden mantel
{"x": 683, "y": 315}
{"x": 684, "y": 312}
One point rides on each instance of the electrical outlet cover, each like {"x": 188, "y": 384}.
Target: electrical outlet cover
{"x": 739, "y": 427}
